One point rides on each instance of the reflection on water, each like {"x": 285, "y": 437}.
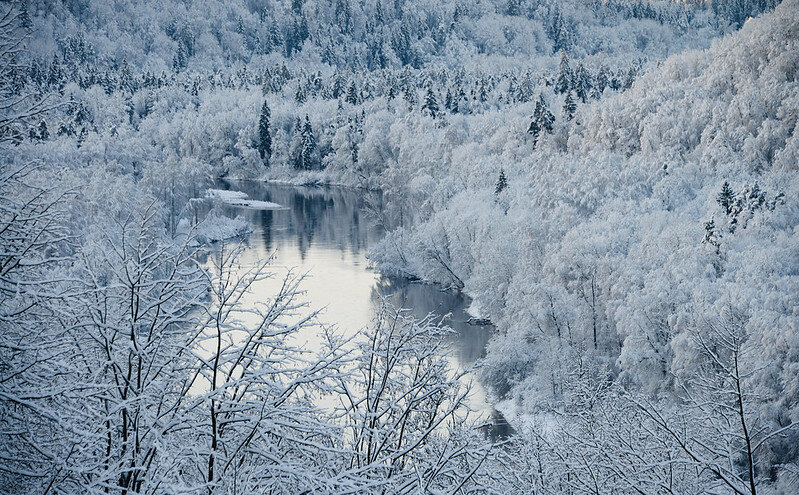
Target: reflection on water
{"x": 325, "y": 234}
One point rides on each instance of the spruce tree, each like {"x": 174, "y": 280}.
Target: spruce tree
{"x": 569, "y": 106}
{"x": 629, "y": 79}
{"x": 502, "y": 182}
{"x": 582, "y": 82}
{"x": 601, "y": 82}
{"x": 711, "y": 237}
{"x": 300, "y": 95}
{"x": 534, "y": 130}
{"x": 726, "y": 198}
{"x": 308, "y": 153}
{"x": 542, "y": 121}
{"x": 559, "y": 32}
{"x": 545, "y": 118}
{"x": 352, "y": 94}
{"x": 430, "y": 104}
{"x": 482, "y": 93}
{"x": 564, "y": 81}
{"x": 264, "y": 138}
{"x": 44, "y": 134}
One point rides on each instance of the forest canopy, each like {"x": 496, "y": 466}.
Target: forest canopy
{"x": 613, "y": 183}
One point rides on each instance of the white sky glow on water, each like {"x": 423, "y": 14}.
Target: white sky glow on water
{"x": 325, "y": 235}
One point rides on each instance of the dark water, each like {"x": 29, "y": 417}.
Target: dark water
{"x": 326, "y": 232}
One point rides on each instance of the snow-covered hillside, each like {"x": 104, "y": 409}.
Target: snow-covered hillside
{"x": 641, "y": 252}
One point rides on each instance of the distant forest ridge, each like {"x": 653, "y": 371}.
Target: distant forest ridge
{"x": 175, "y": 35}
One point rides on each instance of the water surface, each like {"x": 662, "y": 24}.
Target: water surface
{"x": 325, "y": 233}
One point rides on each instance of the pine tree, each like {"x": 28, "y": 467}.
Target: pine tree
{"x": 629, "y": 79}
{"x": 502, "y": 182}
{"x": 82, "y": 135}
{"x": 564, "y": 81}
{"x": 275, "y": 36}
{"x": 511, "y": 98}
{"x": 602, "y": 82}
{"x": 300, "y": 96}
{"x": 710, "y": 234}
{"x": 430, "y": 103}
{"x": 264, "y": 138}
{"x": 448, "y": 100}
{"x": 534, "y": 130}
{"x": 352, "y": 94}
{"x": 179, "y": 62}
{"x": 559, "y": 32}
{"x": 44, "y": 134}
{"x": 543, "y": 120}
{"x": 569, "y": 106}
{"x": 726, "y": 198}
{"x": 482, "y": 93}
{"x": 308, "y": 151}
{"x": 582, "y": 82}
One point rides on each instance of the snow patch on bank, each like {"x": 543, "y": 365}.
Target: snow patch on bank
{"x": 241, "y": 199}
{"x": 474, "y": 310}
{"x": 215, "y": 228}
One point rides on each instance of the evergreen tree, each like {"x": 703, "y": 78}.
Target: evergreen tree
{"x": 559, "y": 32}
{"x": 511, "y": 98}
{"x": 337, "y": 87}
{"x": 601, "y": 82}
{"x": 82, "y": 135}
{"x": 543, "y": 120}
{"x": 581, "y": 82}
{"x": 409, "y": 93}
{"x": 569, "y": 106}
{"x": 275, "y": 36}
{"x": 180, "y": 59}
{"x": 629, "y": 79}
{"x": 352, "y": 94}
{"x": 482, "y": 93}
{"x": 726, "y": 198}
{"x": 564, "y": 81}
{"x": 56, "y": 73}
{"x": 44, "y": 134}
{"x": 430, "y": 104}
{"x": 502, "y": 182}
{"x": 534, "y": 130}
{"x": 307, "y": 159}
{"x": 711, "y": 237}
{"x": 264, "y": 138}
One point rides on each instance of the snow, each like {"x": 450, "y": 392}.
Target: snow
{"x": 474, "y": 310}
{"x": 216, "y": 227}
{"x": 241, "y": 199}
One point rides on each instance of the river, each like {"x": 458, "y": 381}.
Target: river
{"x": 326, "y": 233}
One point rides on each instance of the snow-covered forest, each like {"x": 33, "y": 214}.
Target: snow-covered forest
{"x": 613, "y": 183}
